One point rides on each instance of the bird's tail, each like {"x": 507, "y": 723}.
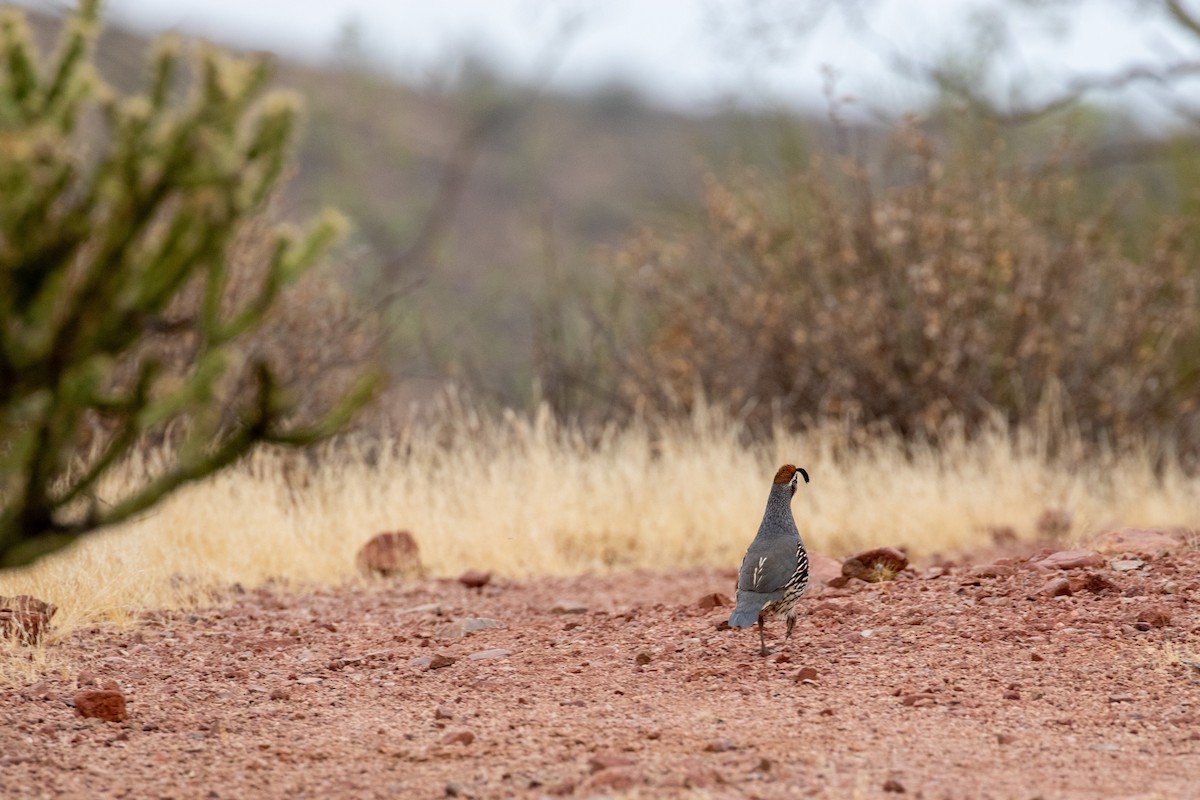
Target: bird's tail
{"x": 746, "y": 612}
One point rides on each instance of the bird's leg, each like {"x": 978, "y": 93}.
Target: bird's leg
{"x": 762, "y": 639}
{"x": 791, "y": 623}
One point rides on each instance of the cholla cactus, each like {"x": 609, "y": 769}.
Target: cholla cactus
{"x": 102, "y": 227}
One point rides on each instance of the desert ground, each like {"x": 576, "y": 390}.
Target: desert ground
{"x": 997, "y": 674}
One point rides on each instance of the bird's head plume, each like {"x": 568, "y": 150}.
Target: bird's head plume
{"x": 789, "y": 475}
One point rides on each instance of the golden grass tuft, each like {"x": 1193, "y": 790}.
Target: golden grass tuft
{"x": 524, "y": 495}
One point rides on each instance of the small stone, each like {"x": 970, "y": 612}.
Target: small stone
{"x": 1005, "y": 738}
{"x": 1072, "y": 559}
{"x": 476, "y": 624}
{"x": 601, "y": 761}
{"x": 1155, "y": 616}
{"x": 919, "y": 699}
{"x": 443, "y": 712}
{"x": 104, "y": 704}
{"x": 475, "y": 579}
{"x": 424, "y": 608}
{"x": 308, "y": 680}
{"x": 280, "y": 694}
{"x": 451, "y": 632}
{"x": 991, "y": 571}
{"x": 1092, "y": 582}
{"x": 486, "y": 655}
{"x": 643, "y": 658}
{"x": 1126, "y": 564}
{"x": 568, "y": 607}
{"x": 608, "y": 781}
{"x": 714, "y": 600}
{"x": 875, "y": 566}
{"x": 86, "y": 678}
{"x": 1120, "y": 698}
{"x": 720, "y": 746}
{"x": 454, "y": 790}
{"x": 894, "y": 786}
{"x": 806, "y": 674}
{"x": 458, "y": 737}
{"x": 392, "y": 553}
{"x": 1056, "y": 587}
{"x": 441, "y": 660}
{"x": 1012, "y": 694}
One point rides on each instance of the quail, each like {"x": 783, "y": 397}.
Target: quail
{"x": 774, "y": 572}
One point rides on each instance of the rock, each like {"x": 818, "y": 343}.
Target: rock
{"x": 1126, "y": 564}
{"x": 1055, "y": 587}
{"x": 894, "y": 786}
{"x": 823, "y": 569}
{"x": 1005, "y": 738}
{"x": 458, "y": 737}
{"x": 991, "y": 571}
{"x": 806, "y": 674}
{"x": 1092, "y": 582}
{"x": 105, "y": 704}
{"x": 1144, "y": 541}
{"x": 875, "y": 566}
{"x": 459, "y": 629}
{"x": 608, "y": 781}
{"x": 280, "y": 694}
{"x": 424, "y": 608}
{"x": 476, "y": 624}
{"x": 475, "y": 579}
{"x": 568, "y": 607}
{"x": 1154, "y": 616}
{"x": 388, "y": 554}
{"x": 720, "y": 746}
{"x": 643, "y": 658}
{"x": 485, "y": 655}
{"x": 714, "y": 600}
{"x": 440, "y": 660}
{"x": 451, "y": 632}
{"x": 25, "y": 619}
{"x": 919, "y": 699}
{"x": 443, "y": 712}
{"x": 1054, "y": 523}
{"x": 1071, "y": 559}
{"x": 601, "y": 761}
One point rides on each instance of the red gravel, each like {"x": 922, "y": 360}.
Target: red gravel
{"x": 972, "y": 684}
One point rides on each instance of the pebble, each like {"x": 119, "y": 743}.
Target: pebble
{"x": 104, "y": 704}
{"x": 601, "y": 761}
{"x": 568, "y": 607}
{"x": 458, "y": 737}
{"x": 484, "y": 655}
{"x": 1055, "y": 587}
{"x": 894, "y": 786}
{"x": 1072, "y": 559}
{"x": 720, "y": 746}
{"x": 1127, "y": 564}
{"x": 475, "y": 579}
{"x": 714, "y": 600}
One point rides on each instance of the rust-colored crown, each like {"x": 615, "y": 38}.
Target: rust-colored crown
{"x": 784, "y": 475}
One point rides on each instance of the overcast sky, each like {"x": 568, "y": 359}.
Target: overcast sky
{"x": 687, "y": 53}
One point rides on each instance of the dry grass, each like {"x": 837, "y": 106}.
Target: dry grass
{"x": 527, "y": 496}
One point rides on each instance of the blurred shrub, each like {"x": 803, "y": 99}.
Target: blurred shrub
{"x": 964, "y": 288}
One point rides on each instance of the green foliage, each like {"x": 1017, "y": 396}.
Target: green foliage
{"x": 112, "y": 209}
